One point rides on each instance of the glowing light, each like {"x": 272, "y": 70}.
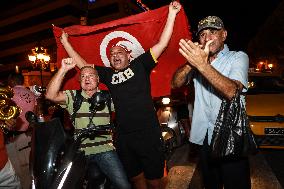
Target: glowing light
{"x": 166, "y": 100}
{"x": 32, "y": 58}
{"x": 46, "y": 58}
{"x": 39, "y": 57}
{"x": 251, "y": 84}
{"x": 17, "y": 69}
{"x": 65, "y": 176}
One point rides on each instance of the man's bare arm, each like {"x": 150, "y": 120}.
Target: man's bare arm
{"x": 224, "y": 85}
{"x": 180, "y": 76}
{"x": 80, "y": 62}
{"x": 165, "y": 37}
{"x": 53, "y": 92}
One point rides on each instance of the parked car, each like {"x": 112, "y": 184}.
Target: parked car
{"x": 265, "y": 109}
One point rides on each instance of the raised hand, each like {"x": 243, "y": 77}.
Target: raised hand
{"x": 68, "y": 64}
{"x": 64, "y": 37}
{"x": 174, "y": 7}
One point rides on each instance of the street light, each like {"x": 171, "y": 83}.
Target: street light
{"x": 39, "y": 59}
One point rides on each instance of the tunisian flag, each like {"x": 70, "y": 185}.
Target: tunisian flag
{"x": 139, "y": 33}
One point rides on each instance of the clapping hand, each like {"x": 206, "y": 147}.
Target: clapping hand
{"x": 196, "y": 55}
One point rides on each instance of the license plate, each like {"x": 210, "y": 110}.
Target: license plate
{"x": 274, "y": 131}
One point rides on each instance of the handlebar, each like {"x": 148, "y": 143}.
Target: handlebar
{"x": 90, "y": 131}
{"x": 93, "y": 131}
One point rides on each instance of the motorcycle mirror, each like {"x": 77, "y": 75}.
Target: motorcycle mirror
{"x": 31, "y": 117}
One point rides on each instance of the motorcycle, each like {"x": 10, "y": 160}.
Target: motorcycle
{"x": 174, "y": 127}
{"x": 56, "y": 160}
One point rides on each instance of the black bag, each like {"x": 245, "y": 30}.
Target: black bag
{"x": 232, "y": 136}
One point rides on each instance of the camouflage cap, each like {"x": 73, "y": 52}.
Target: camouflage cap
{"x": 210, "y": 22}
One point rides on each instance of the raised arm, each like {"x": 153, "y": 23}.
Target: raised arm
{"x": 165, "y": 37}
{"x": 52, "y": 92}
{"x": 80, "y": 62}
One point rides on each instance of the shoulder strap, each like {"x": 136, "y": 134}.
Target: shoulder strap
{"x": 78, "y": 99}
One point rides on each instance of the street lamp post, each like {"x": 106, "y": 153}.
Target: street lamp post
{"x": 39, "y": 59}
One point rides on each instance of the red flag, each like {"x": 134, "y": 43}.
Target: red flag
{"x": 139, "y": 33}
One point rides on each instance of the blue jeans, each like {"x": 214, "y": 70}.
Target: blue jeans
{"x": 110, "y": 165}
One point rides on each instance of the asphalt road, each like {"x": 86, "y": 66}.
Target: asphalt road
{"x": 267, "y": 169}
{"x": 275, "y": 159}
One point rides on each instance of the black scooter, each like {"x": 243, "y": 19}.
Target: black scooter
{"x": 56, "y": 160}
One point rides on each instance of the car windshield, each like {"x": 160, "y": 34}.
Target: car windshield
{"x": 265, "y": 85}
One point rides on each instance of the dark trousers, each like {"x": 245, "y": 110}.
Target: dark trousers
{"x": 230, "y": 173}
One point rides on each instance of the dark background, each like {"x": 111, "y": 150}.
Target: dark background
{"x": 243, "y": 18}
{"x": 254, "y": 26}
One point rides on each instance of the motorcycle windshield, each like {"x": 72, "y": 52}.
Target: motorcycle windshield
{"x": 47, "y": 144}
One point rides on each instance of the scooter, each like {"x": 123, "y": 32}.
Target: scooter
{"x": 56, "y": 160}
{"x": 172, "y": 126}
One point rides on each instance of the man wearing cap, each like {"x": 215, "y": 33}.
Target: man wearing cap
{"x": 217, "y": 72}
{"x": 139, "y": 140}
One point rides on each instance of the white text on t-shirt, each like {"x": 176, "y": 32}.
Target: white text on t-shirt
{"x": 121, "y": 77}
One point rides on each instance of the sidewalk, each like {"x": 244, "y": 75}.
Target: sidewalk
{"x": 181, "y": 168}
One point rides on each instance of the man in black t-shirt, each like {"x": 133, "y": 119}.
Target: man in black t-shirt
{"x": 139, "y": 141}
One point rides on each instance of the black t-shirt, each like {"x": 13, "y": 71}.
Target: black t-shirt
{"x": 131, "y": 93}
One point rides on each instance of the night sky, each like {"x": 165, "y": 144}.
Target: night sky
{"x": 242, "y": 18}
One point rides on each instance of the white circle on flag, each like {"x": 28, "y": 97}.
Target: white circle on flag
{"x": 131, "y": 43}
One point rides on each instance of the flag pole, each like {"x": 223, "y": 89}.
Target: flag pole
{"x": 142, "y": 6}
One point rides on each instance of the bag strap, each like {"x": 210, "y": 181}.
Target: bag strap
{"x": 77, "y": 102}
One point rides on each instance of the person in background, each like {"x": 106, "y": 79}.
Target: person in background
{"x": 100, "y": 152}
{"x": 8, "y": 177}
{"x": 18, "y": 146}
{"x": 217, "y": 73}
{"x": 139, "y": 140}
